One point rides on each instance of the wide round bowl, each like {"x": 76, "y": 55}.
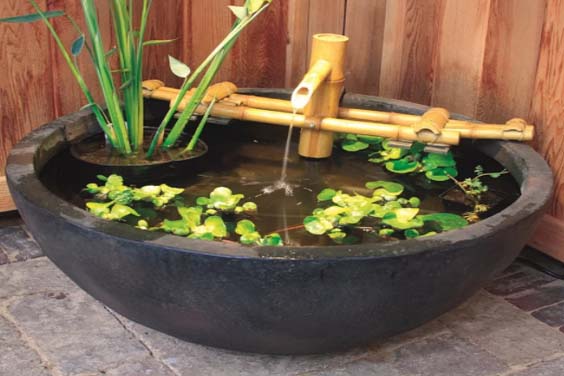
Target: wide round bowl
{"x": 273, "y": 300}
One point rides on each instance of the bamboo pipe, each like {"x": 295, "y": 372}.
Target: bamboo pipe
{"x": 316, "y": 75}
{"x": 324, "y": 101}
{"x": 394, "y": 132}
{"x": 515, "y": 129}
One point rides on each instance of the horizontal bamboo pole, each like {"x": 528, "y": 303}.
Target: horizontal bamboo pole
{"x": 515, "y": 129}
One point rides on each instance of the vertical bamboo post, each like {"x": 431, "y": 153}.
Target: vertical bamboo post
{"x": 324, "y": 102}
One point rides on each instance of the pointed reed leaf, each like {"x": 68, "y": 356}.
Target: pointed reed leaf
{"x": 33, "y": 17}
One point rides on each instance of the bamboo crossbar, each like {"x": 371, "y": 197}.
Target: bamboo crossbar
{"x": 396, "y": 126}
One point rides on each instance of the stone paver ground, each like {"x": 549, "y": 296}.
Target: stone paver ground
{"x": 48, "y": 326}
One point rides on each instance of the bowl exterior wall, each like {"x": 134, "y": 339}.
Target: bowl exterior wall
{"x": 242, "y": 299}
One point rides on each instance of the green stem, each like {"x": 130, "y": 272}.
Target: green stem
{"x": 200, "y": 128}
{"x": 77, "y": 75}
{"x": 105, "y": 78}
{"x": 233, "y": 35}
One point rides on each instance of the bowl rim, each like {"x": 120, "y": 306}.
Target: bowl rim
{"x": 527, "y": 167}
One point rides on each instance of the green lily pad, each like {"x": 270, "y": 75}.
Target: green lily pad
{"x": 439, "y": 160}
{"x": 371, "y": 140}
{"x": 411, "y": 233}
{"x": 250, "y": 207}
{"x": 250, "y": 238}
{"x": 354, "y": 146}
{"x": 402, "y": 166}
{"x": 403, "y": 219}
{"x": 178, "y": 227}
{"x": 245, "y": 227}
{"x": 317, "y": 225}
{"x": 326, "y": 195}
{"x": 216, "y": 226}
{"x": 272, "y": 240}
{"x": 120, "y": 211}
{"x": 395, "y": 189}
{"x": 441, "y": 174}
{"x": 447, "y": 221}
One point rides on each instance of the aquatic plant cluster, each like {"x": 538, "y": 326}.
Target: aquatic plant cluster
{"x": 212, "y": 218}
{"x": 385, "y": 212}
{"x": 436, "y": 167}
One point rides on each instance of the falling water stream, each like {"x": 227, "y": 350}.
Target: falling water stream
{"x": 283, "y": 184}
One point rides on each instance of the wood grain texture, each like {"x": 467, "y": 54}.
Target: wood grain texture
{"x": 547, "y": 110}
{"x": 26, "y": 98}
{"x": 365, "y": 46}
{"x": 6, "y": 203}
{"x": 67, "y": 96}
{"x": 549, "y": 237}
{"x": 410, "y": 49}
{"x": 325, "y": 17}
{"x": 259, "y": 57}
{"x": 209, "y": 21}
{"x": 461, "y": 46}
{"x": 298, "y": 39}
{"x": 510, "y": 60}
{"x": 167, "y": 22}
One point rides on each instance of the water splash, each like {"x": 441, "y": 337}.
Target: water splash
{"x": 282, "y": 184}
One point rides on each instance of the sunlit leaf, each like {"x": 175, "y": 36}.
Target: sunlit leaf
{"x": 216, "y": 226}
{"x": 326, "y": 194}
{"x": 239, "y": 12}
{"x": 178, "y": 68}
{"x": 245, "y": 227}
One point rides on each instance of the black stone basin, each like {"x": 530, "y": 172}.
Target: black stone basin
{"x": 290, "y": 300}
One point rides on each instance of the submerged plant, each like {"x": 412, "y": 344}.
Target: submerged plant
{"x": 436, "y": 167}
{"x": 474, "y": 189}
{"x": 212, "y": 218}
{"x": 122, "y": 121}
{"x": 385, "y": 213}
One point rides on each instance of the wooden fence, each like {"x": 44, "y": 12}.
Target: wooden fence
{"x": 491, "y": 59}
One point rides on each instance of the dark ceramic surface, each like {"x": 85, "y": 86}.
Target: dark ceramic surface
{"x": 273, "y": 300}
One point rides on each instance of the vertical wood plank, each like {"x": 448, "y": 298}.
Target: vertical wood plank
{"x": 259, "y": 57}
{"x": 325, "y": 17}
{"x": 166, "y": 22}
{"x": 410, "y": 49}
{"x": 511, "y": 58}
{"x": 547, "y": 110}
{"x": 365, "y": 20}
{"x": 26, "y": 99}
{"x": 210, "y": 22}
{"x": 298, "y": 37}
{"x": 67, "y": 96}
{"x": 461, "y": 46}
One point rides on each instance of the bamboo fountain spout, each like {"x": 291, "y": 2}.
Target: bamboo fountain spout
{"x": 319, "y": 93}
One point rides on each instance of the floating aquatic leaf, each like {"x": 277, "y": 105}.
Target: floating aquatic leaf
{"x": 272, "y": 240}
{"x": 245, "y": 227}
{"x": 447, "y": 221}
{"x": 178, "y": 227}
{"x": 402, "y": 166}
{"x": 441, "y": 174}
{"x": 216, "y": 226}
{"x": 393, "y": 188}
{"x": 326, "y": 194}
{"x": 121, "y": 211}
{"x": 250, "y": 238}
